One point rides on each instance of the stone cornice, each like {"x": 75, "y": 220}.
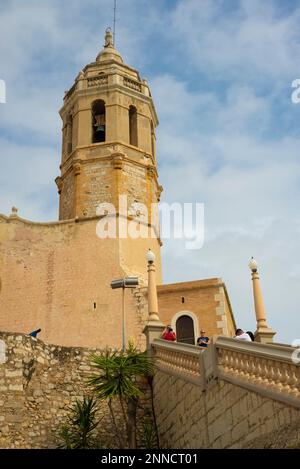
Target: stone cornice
{"x": 106, "y": 158}
{"x": 109, "y": 62}
{"x": 194, "y": 284}
{"x": 46, "y": 224}
{"x": 125, "y": 159}
{"x": 53, "y": 224}
{"x": 109, "y": 145}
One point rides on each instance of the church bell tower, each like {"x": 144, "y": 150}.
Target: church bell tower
{"x": 108, "y": 145}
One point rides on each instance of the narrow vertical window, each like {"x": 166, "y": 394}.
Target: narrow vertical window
{"x": 69, "y": 134}
{"x": 98, "y": 121}
{"x": 133, "y": 140}
{"x": 152, "y": 140}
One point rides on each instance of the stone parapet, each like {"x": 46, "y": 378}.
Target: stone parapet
{"x": 231, "y": 395}
{"x": 178, "y": 359}
{"x": 266, "y": 369}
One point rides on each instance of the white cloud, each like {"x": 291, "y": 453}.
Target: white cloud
{"x": 28, "y": 180}
{"x": 250, "y": 188}
{"x": 252, "y": 41}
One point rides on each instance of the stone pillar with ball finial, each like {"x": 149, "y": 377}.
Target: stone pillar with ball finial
{"x": 263, "y": 332}
{"x": 154, "y": 327}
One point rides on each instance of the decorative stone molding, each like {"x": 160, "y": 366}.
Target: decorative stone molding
{"x": 59, "y": 183}
{"x": 150, "y": 171}
{"x": 118, "y": 160}
{"x": 77, "y": 169}
{"x": 159, "y": 191}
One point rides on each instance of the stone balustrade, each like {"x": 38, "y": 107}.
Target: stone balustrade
{"x": 179, "y": 359}
{"x": 268, "y": 369}
{"x": 132, "y": 84}
{"x": 97, "y": 81}
{"x": 104, "y": 80}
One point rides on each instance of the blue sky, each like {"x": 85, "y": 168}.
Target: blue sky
{"x": 220, "y": 72}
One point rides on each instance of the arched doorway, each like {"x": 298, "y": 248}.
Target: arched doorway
{"x": 185, "y": 330}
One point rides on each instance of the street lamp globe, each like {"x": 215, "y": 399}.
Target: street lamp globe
{"x": 150, "y": 257}
{"x": 253, "y": 265}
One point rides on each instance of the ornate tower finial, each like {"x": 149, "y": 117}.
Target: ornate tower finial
{"x": 109, "y": 41}
{"x": 14, "y": 212}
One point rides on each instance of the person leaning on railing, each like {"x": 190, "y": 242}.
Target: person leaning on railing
{"x": 203, "y": 340}
{"x": 241, "y": 335}
{"x": 169, "y": 334}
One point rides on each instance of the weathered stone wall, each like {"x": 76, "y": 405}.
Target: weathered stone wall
{"x": 96, "y": 186}
{"x": 38, "y": 383}
{"x": 224, "y": 416}
{"x": 67, "y": 208}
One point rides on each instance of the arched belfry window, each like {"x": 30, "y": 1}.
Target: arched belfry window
{"x": 133, "y": 131}
{"x": 98, "y": 121}
{"x": 185, "y": 329}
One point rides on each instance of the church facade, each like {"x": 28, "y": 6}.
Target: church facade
{"x": 56, "y": 276}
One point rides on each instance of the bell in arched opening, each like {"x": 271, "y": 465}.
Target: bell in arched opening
{"x": 98, "y": 113}
{"x": 99, "y": 128}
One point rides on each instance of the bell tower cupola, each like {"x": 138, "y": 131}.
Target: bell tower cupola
{"x": 108, "y": 138}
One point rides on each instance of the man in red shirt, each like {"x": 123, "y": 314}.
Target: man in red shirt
{"x": 169, "y": 334}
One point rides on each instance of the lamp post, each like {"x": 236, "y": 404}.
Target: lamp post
{"x": 126, "y": 282}
{"x": 152, "y": 293}
{"x": 263, "y": 332}
{"x": 154, "y": 326}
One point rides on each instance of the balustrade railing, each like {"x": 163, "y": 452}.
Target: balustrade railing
{"x": 97, "y": 81}
{"x": 264, "y": 368}
{"x": 267, "y": 367}
{"x": 179, "y": 359}
{"x": 134, "y": 85}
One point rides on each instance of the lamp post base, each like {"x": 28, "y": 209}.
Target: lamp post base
{"x": 152, "y": 330}
{"x": 264, "y": 335}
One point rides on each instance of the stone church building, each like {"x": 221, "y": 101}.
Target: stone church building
{"x": 56, "y": 275}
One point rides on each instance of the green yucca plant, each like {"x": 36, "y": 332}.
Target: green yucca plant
{"x": 118, "y": 377}
{"x": 148, "y": 435}
{"x": 79, "y": 431}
